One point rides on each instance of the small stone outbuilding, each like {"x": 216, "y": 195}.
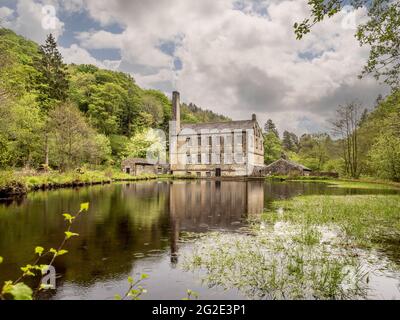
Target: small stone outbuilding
{"x": 140, "y": 166}
{"x": 286, "y": 167}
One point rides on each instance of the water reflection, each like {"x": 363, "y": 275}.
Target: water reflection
{"x": 129, "y": 223}
{"x": 211, "y": 205}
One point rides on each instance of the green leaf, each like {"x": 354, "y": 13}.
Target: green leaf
{"x": 130, "y": 280}
{"x": 46, "y": 286}
{"x": 144, "y": 276}
{"x": 1, "y": 259}
{"x": 27, "y": 270}
{"x": 68, "y": 217}
{"x": 71, "y": 234}
{"x": 85, "y": 206}
{"x": 39, "y": 250}
{"x": 62, "y": 252}
{"x": 43, "y": 268}
{"x": 21, "y": 291}
{"x": 54, "y": 251}
{"x": 117, "y": 297}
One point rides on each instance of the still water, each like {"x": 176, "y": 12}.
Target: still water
{"x": 134, "y": 228}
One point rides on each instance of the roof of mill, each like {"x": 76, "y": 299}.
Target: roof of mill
{"x": 229, "y": 125}
{"x": 288, "y": 162}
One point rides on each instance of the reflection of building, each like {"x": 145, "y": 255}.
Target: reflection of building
{"x": 202, "y": 205}
{"x": 233, "y": 148}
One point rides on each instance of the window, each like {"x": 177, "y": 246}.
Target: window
{"x": 228, "y": 140}
{"x": 188, "y": 158}
{"x": 199, "y": 158}
{"x": 210, "y": 141}
{"x": 209, "y": 158}
{"x": 208, "y": 174}
{"x": 199, "y": 140}
{"x": 198, "y": 174}
{"x": 188, "y": 141}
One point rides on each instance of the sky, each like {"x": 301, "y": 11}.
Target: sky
{"x": 234, "y": 57}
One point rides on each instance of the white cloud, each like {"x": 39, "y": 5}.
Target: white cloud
{"x": 72, "y": 5}
{"x": 238, "y": 56}
{"x": 33, "y": 21}
{"x": 5, "y": 13}
{"x": 78, "y": 55}
{"x": 238, "y": 61}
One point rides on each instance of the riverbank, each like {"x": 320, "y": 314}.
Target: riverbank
{"x": 309, "y": 247}
{"x": 364, "y": 183}
{"x": 19, "y": 183}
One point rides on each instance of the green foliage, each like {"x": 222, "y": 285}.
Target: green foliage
{"x": 270, "y": 127}
{"x": 39, "y": 250}
{"x": 135, "y": 290}
{"x": 20, "y": 291}
{"x": 385, "y": 155}
{"x": 290, "y": 141}
{"x": 84, "y": 207}
{"x": 272, "y": 147}
{"x": 35, "y": 83}
{"x": 51, "y": 82}
{"x": 140, "y": 144}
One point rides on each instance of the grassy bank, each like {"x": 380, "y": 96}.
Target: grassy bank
{"x": 309, "y": 247}
{"x": 18, "y": 183}
{"x": 365, "y": 183}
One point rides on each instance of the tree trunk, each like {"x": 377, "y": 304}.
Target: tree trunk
{"x": 46, "y": 161}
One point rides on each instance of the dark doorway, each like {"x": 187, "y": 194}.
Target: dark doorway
{"x": 128, "y": 170}
{"x": 218, "y": 172}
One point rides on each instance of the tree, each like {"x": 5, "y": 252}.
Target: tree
{"x": 346, "y": 127}
{"x": 71, "y": 136}
{"x": 314, "y": 150}
{"x": 290, "y": 141}
{"x": 143, "y": 143}
{"x": 51, "y": 81}
{"x": 270, "y": 127}
{"x": 380, "y": 32}
{"x": 385, "y": 156}
{"x": 272, "y": 147}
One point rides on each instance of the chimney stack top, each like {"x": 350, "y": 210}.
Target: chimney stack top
{"x": 254, "y": 117}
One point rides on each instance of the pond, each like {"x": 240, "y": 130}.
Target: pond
{"x": 134, "y": 228}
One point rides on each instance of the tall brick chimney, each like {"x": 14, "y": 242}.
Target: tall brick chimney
{"x": 176, "y": 109}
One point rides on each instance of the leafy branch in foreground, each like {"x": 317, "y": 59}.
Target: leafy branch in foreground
{"x": 135, "y": 290}
{"x": 17, "y": 289}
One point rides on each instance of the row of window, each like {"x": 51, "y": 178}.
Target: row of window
{"x": 220, "y": 140}
{"x": 218, "y": 158}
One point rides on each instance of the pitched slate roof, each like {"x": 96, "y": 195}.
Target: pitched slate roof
{"x": 136, "y": 161}
{"x": 288, "y": 163}
{"x": 229, "y": 125}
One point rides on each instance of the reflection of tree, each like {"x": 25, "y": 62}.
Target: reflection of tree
{"x": 121, "y": 222}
